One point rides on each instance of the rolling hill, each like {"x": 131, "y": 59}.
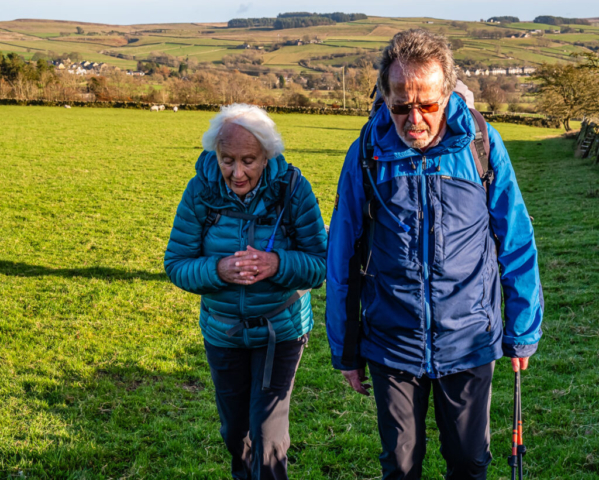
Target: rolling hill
{"x": 279, "y": 49}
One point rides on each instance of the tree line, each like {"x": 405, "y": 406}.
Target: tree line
{"x": 251, "y": 22}
{"x": 551, "y": 20}
{"x": 504, "y": 19}
{"x": 296, "y": 20}
{"x": 339, "y": 17}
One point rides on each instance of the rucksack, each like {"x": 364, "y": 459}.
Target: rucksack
{"x": 280, "y": 206}
{"x": 480, "y": 148}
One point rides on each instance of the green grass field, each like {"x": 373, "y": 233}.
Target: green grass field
{"x": 103, "y": 373}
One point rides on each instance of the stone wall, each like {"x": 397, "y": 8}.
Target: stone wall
{"x": 543, "y": 122}
{"x": 196, "y": 107}
{"x": 490, "y": 117}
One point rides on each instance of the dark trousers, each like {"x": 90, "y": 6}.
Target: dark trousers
{"x": 462, "y": 405}
{"x": 255, "y": 422}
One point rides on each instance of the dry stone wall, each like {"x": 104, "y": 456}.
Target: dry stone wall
{"x": 490, "y": 117}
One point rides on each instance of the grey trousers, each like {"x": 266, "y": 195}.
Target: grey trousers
{"x": 255, "y": 422}
{"x": 462, "y": 406}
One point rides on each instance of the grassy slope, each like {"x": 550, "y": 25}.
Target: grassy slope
{"x": 103, "y": 372}
{"x": 370, "y": 34}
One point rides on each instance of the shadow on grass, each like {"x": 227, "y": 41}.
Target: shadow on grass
{"x": 318, "y": 151}
{"x": 171, "y": 414}
{"x": 329, "y": 128}
{"x": 20, "y": 269}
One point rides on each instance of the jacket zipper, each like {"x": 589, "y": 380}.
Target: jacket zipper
{"x": 426, "y": 272}
{"x": 243, "y": 244}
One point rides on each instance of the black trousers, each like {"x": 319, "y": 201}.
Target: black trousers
{"x": 255, "y": 422}
{"x": 462, "y": 405}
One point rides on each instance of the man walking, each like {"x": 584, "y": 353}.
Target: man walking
{"x": 427, "y": 242}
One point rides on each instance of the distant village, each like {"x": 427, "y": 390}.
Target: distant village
{"x": 92, "y": 68}
{"x": 87, "y": 68}
{"x": 500, "y": 71}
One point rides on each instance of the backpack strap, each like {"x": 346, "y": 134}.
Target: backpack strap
{"x": 288, "y": 185}
{"x": 352, "y": 302}
{"x": 212, "y": 218}
{"x": 259, "y": 321}
{"x": 481, "y": 148}
{"x": 291, "y": 178}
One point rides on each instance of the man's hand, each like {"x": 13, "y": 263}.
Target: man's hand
{"x": 248, "y": 267}
{"x": 520, "y": 363}
{"x": 355, "y": 379}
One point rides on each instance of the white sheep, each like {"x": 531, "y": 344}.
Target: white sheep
{"x": 67, "y": 106}
{"x": 154, "y": 108}
{"x": 161, "y": 107}
{"x": 175, "y": 109}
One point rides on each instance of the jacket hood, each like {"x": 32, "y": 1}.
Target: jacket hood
{"x": 389, "y": 147}
{"x": 213, "y": 191}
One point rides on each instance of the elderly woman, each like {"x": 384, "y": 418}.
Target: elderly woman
{"x": 249, "y": 237}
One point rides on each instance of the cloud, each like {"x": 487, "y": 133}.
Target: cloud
{"x": 244, "y": 7}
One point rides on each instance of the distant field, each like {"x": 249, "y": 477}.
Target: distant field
{"x": 295, "y": 54}
{"x": 352, "y": 38}
{"x": 532, "y": 26}
{"x": 575, "y": 37}
{"x": 369, "y": 45}
{"x": 104, "y": 373}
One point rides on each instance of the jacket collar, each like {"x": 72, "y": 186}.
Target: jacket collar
{"x": 388, "y": 146}
{"x": 214, "y": 193}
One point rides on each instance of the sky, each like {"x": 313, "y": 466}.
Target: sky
{"x": 126, "y": 12}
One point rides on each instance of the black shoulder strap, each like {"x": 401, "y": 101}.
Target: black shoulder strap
{"x": 289, "y": 182}
{"x": 367, "y": 163}
{"x": 352, "y": 302}
{"x": 481, "y": 149}
{"x": 377, "y": 103}
{"x": 212, "y": 217}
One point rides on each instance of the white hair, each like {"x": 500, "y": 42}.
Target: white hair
{"x": 254, "y": 119}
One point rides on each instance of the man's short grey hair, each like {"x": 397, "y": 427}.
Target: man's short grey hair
{"x": 417, "y": 51}
{"x": 254, "y": 119}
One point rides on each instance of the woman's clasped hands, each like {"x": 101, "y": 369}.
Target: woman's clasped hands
{"x": 248, "y": 267}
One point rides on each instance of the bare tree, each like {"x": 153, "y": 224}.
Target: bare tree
{"x": 494, "y": 96}
{"x": 568, "y": 91}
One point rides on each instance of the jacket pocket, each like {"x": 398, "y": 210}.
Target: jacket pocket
{"x": 490, "y": 272}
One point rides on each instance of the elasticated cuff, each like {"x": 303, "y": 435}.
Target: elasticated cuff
{"x": 519, "y": 351}
{"x": 359, "y": 362}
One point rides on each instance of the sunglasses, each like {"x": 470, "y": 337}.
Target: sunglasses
{"x": 404, "y": 109}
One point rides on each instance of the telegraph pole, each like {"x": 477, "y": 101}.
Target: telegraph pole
{"x": 343, "y": 73}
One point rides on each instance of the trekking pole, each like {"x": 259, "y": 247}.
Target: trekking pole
{"x": 521, "y": 447}
{"x": 513, "y": 458}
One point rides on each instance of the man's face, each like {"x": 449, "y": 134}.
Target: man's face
{"x": 417, "y": 129}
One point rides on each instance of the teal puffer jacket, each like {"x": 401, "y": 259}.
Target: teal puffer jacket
{"x": 190, "y": 262}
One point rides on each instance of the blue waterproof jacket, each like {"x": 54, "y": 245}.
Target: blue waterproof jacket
{"x": 191, "y": 263}
{"x": 431, "y": 297}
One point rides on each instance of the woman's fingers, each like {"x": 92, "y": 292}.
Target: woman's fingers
{"x": 251, "y": 261}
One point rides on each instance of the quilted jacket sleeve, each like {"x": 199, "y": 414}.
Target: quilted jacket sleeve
{"x": 183, "y": 260}
{"x": 518, "y": 256}
{"x": 305, "y": 266}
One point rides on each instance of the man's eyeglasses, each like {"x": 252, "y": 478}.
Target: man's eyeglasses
{"x": 404, "y": 109}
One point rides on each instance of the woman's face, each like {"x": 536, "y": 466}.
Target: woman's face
{"x": 241, "y": 159}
